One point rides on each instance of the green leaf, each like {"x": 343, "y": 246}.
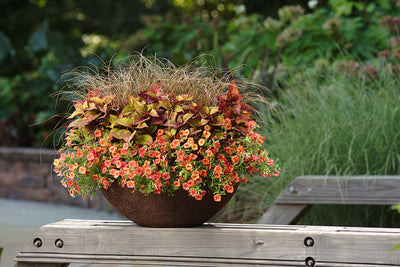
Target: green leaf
{"x": 5, "y": 45}
{"x": 38, "y": 40}
{"x": 127, "y": 122}
{"x": 127, "y": 110}
{"x": 122, "y": 134}
{"x": 140, "y": 107}
{"x": 178, "y": 108}
{"x": 143, "y": 139}
{"x": 141, "y": 125}
{"x": 153, "y": 113}
{"x": 186, "y": 117}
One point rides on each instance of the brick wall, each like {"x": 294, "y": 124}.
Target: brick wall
{"x": 26, "y": 173}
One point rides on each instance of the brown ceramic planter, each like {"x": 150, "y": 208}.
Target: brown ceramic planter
{"x": 153, "y": 210}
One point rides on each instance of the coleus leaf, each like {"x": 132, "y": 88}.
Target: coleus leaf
{"x": 156, "y": 88}
{"x": 141, "y": 125}
{"x": 127, "y": 122}
{"x": 128, "y": 109}
{"x": 94, "y": 93}
{"x": 78, "y": 111}
{"x": 153, "y": 113}
{"x": 233, "y": 90}
{"x": 186, "y": 97}
{"x": 122, "y": 134}
{"x": 143, "y": 139}
{"x": 178, "y": 108}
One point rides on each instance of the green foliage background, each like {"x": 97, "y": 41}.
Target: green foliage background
{"x": 331, "y": 72}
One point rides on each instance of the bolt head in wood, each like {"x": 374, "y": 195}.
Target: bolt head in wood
{"x": 308, "y": 242}
{"x": 59, "y": 243}
{"x": 37, "y": 242}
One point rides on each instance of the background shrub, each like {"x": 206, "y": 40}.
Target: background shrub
{"x": 334, "y": 124}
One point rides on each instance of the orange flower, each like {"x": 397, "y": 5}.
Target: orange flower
{"x": 207, "y": 127}
{"x": 194, "y": 147}
{"x": 148, "y": 171}
{"x": 113, "y": 148}
{"x": 82, "y": 170}
{"x": 235, "y": 159}
{"x": 130, "y": 184}
{"x": 217, "y": 198}
{"x": 209, "y": 153}
{"x": 218, "y": 170}
{"x": 216, "y": 145}
{"x": 201, "y": 142}
{"x": 160, "y": 132}
{"x": 56, "y": 162}
{"x": 177, "y": 183}
{"x": 188, "y": 166}
{"x": 228, "y": 188}
{"x": 104, "y": 182}
{"x": 203, "y": 173}
{"x": 79, "y": 153}
{"x": 125, "y": 146}
{"x": 195, "y": 175}
{"x": 95, "y": 177}
{"x": 174, "y": 143}
{"x": 97, "y": 133}
{"x": 240, "y": 149}
{"x": 180, "y": 154}
{"x": 103, "y": 142}
{"x": 206, "y": 134}
{"x": 228, "y": 124}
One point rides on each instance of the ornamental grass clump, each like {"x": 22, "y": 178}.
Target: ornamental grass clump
{"x": 156, "y": 128}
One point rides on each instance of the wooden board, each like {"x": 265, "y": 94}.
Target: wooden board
{"x": 370, "y": 190}
{"x": 123, "y": 242}
{"x": 284, "y": 213}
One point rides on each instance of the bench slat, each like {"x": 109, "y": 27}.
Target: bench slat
{"x": 371, "y": 190}
{"x": 212, "y": 245}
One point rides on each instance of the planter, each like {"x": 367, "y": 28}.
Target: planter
{"x": 153, "y": 210}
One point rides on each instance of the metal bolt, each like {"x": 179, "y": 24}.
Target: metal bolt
{"x": 37, "y": 242}
{"x": 259, "y": 243}
{"x": 291, "y": 189}
{"x": 310, "y": 262}
{"x": 308, "y": 242}
{"x": 59, "y": 243}
{"x": 309, "y": 190}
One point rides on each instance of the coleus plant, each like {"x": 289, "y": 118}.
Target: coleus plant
{"x": 158, "y": 142}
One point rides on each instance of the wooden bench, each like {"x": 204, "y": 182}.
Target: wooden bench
{"x": 122, "y": 242}
{"x": 305, "y": 191}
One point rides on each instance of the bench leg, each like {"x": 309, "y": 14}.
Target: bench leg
{"x": 284, "y": 214}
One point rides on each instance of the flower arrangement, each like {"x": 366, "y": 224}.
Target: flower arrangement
{"x": 155, "y": 128}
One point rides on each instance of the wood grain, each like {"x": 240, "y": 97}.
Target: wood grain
{"x": 123, "y": 242}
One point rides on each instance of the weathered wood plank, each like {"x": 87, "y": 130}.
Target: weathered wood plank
{"x": 371, "y": 190}
{"x": 283, "y": 214}
{"x": 212, "y": 245}
{"x": 40, "y": 264}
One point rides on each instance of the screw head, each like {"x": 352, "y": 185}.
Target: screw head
{"x": 37, "y": 242}
{"x": 309, "y": 242}
{"x": 59, "y": 243}
{"x": 310, "y": 262}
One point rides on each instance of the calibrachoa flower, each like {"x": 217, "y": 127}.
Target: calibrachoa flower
{"x": 160, "y": 143}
